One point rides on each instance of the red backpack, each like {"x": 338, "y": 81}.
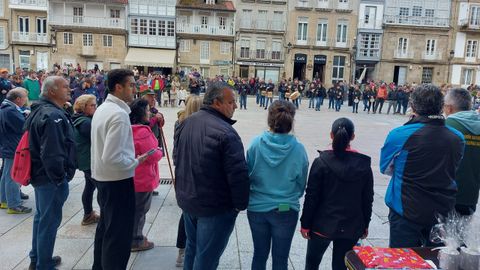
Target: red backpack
{"x": 22, "y": 162}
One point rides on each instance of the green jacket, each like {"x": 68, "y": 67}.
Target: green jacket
{"x": 468, "y": 173}
{"x": 33, "y": 88}
{"x": 82, "y": 126}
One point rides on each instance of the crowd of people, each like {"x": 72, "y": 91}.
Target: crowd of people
{"x": 371, "y": 94}
{"x": 432, "y": 160}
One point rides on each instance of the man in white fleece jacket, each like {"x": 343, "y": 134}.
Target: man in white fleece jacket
{"x": 113, "y": 166}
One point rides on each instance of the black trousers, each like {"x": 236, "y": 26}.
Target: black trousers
{"x": 181, "y": 234}
{"x": 317, "y": 246}
{"x": 378, "y": 103}
{"x": 87, "y": 195}
{"x": 113, "y": 238}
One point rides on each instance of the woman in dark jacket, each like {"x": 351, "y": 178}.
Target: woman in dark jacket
{"x": 100, "y": 88}
{"x": 85, "y": 106}
{"x": 338, "y": 199}
{"x": 357, "y": 96}
{"x": 370, "y": 95}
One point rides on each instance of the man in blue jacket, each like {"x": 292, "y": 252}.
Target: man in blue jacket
{"x": 422, "y": 157}
{"x": 11, "y": 130}
{"x": 212, "y": 183}
{"x": 52, "y": 150}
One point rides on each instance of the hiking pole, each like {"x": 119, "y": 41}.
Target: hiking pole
{"x": 168, "y": 155}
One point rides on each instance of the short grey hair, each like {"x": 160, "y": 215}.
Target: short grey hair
{"x": 215, "y": 91}
{"x": 49, "y": 83}
{"x": 459, "y": 98}
{"x": 17, "y": 92}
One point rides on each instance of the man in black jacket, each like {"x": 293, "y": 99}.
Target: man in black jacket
{"x": 52, "y": 150}
{"x": 212, "y": 183}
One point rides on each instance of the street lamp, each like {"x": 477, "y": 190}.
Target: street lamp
{"x": 289, "y": 47}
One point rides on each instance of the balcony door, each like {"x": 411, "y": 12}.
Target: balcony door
{"x": 24, "y": 25}
{"x": 23, "y": 28}
{"x": 41, "y": 29}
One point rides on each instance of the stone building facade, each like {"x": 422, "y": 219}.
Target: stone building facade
{"x": 320, "y": 38}
{"x": 29, "y": 34}
{"x": 5, "y": 44}
{"x": 205, "y": 36}
{"x": 151, "y": 35}
{"x": 464, "y": 53}
{"x": 369, "y": 39}
{"x": 415, "y": 41}
{"x": 260, "y": 40}
{"x": 91, "y": 33}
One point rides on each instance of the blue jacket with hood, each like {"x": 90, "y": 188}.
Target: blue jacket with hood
{"x": 278, "y": 168}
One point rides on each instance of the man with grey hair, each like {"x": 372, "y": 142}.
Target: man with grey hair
{"x": 458, "y": 109}
{"x": 52, "y": 151}
{"x": 212, "y": 183}
{"x": 11, "y": 130}
{"x": 422, "y": 157}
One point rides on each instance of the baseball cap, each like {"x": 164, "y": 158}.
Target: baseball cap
{"x": 2, "y": 70}
{"x": 147, "y": 92}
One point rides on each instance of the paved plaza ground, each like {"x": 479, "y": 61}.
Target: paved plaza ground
{"x": 75, "y": 242}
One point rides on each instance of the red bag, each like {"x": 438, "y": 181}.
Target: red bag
{"x": 22, "y": 162}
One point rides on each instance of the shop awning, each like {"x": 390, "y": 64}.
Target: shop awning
{"x": 150, "y": 57}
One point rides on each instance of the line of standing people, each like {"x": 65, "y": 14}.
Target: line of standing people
{"x": 268, "y": 183}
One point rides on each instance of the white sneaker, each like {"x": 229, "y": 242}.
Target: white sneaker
{"x": 180, "y": 257}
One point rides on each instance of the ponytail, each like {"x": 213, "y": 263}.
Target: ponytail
{"x": 342, "y": 130}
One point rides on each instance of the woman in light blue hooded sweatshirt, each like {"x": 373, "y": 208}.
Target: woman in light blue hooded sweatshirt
{"x": 278, "y": 168}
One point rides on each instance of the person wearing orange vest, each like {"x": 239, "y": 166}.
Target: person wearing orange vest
{"x": 381, "y": 96}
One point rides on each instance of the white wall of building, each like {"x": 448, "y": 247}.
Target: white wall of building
{"x": 460, "y": 40}
{"x": 374, "y": 23}
{"x": 96, "y": 10}
{"x": 441, "y": 7}
{"x": 463, "y": 11}
{"x": 456, "y": 73}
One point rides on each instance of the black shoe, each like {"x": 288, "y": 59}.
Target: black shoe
{"x": 23, "y": 196}
{"x": 155, "y": 193}
{"x": 57, "y": 260}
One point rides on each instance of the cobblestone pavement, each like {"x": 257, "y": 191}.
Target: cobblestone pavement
{"x": 75, "y": 242}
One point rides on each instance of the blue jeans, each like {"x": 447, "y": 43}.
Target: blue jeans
{"x": 319, "y": 103}
{"x": 9, "y": 189}
{"x": 262, "y": 101}
{"x": 243, "y": 101}
{"x": 338, "y": 104}
{"x": 311, "y": 102}
{"x": 272, "y": 228}
{"x": 331, "y": 103}
{"x": 207, "y": 238}
{"x": 365, "y": 104}
{"x": 405, "y": 233}
{"x": 281, "y": 96}
{"x": 49, "y": 200}
{"x": 268, "y": 99}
